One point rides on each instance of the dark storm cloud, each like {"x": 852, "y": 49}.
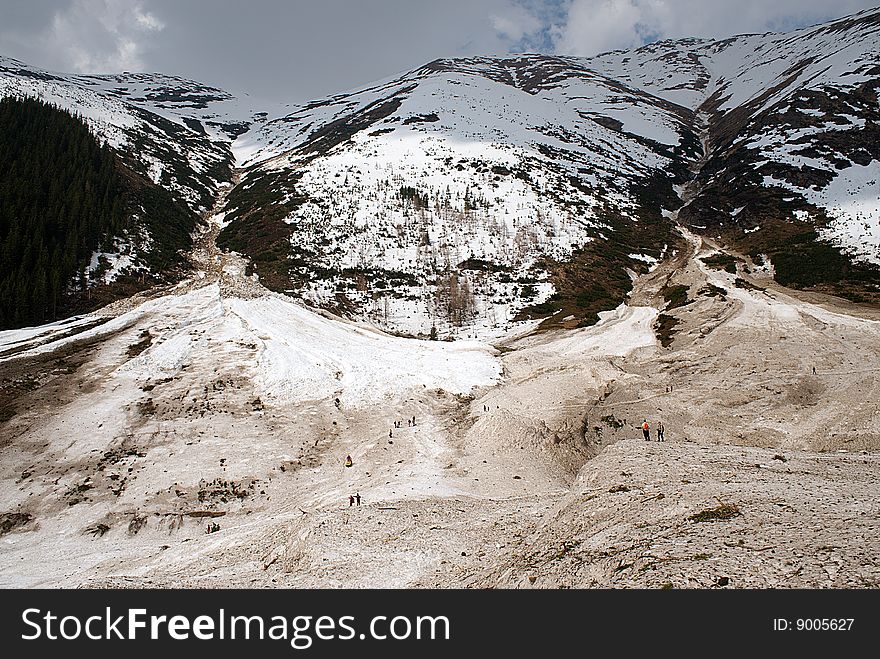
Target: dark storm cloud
{"x": 296, "y": 50}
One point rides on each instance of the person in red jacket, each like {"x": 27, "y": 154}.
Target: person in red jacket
{"x": 646, "y": 429}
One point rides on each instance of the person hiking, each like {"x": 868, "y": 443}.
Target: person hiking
{"x": 646, "y": 429}
{"x": 660, "y": 431}
{"x": 348, "y": 462}
{"x": 358, "y": 498}
{"x": 350, "y": 501}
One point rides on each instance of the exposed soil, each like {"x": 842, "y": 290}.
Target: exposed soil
{"x": 113, "y": 474}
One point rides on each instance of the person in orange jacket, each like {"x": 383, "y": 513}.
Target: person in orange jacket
{"x": 646, "y": 429}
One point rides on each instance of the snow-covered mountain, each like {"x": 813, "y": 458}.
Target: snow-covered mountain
{"x": 469, "y": 194}
{"x": 176, "y": 132}
{"x": 791, "y": 127}
{"x": 444, "y": 198}
{"x": 448, "y": 196}
{"x": 212, "y": 432}
{"x": 175, "y": 137}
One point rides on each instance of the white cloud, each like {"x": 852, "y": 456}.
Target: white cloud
{"x": 147, "y": 21}
{"x": 516, "y": 23}
{"x": 594, "y": 26}
{"x": 102, "y": 35}
{"x": 298, "y": 50}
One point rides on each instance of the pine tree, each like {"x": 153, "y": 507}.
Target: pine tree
{"x": 61, "y": 195}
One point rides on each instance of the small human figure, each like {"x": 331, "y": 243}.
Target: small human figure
{"x": 814, "y": 370}
{"x": 646, "y": 429}
{"x": 660, "y": 431}
{"x": 414, "y": 420}
{"x": 350, "y": 501}
{"x": 358, "y": 498}
{"x": 348, "y": 461}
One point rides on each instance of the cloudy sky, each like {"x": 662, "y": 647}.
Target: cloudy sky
{"x": 295, "y": 50}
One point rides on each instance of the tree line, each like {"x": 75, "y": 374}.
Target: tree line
{"x": 62, "y": 196}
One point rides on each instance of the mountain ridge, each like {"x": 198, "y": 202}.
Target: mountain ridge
{"x": 210, "y": 431}
{"x": 520, "y": 166}
{"x": 690, "y": 116}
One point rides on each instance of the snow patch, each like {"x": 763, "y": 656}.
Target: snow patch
{"x": 305, "y": 357}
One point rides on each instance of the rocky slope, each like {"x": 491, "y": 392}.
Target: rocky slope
{"x": 197, "y": 437}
